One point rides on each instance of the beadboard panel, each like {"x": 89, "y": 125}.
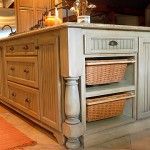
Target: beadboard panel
{"x": 144, "y": 79}
{"x": 50, "y": 82}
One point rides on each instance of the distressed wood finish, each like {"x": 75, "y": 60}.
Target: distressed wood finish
{"x": 23, "y": 70}
{"x": 23, "y": 47}
{"x": 29, "y": 12}
{"x": 144, "y": 79}
{"x": 108, "y": 43}
{"x": 24, "y": 98}
{"x": 50, "y": 81}
{"x": 61, "y": 90}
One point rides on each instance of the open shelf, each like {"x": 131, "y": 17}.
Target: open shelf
{"x": 127, "y": 84}
{"x": 127, "y": 116}
{"x": 101, "y": 125}
{"x": 122, "y": 86}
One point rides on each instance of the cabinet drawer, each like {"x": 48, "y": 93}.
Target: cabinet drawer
{"x": 23, "y": 47}
{"x": 24, "y": 98}
{"x": 102, "y": 44}
{"x": 22, "y": 70}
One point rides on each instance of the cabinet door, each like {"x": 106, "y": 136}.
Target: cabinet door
{"x": 49, "y": 80}
{"x": 25, "y": 19}
{"x": 144, "y": 78}
{"x": 42, "y": 4}
{"x": 25, "y": 3}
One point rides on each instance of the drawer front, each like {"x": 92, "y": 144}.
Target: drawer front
{"x": 102, "y": 44}
{"x": 24, "y": 98}
{"x": 23, "y": 47}
{"x": 23, "y": 70}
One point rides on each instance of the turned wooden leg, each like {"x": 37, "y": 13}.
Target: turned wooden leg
{"x": 72, "y": 127}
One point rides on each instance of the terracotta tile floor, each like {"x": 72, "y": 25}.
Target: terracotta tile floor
{"x": 46, "y": 141}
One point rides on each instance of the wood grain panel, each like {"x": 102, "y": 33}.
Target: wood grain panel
{"x": 24, "y": 98}
{"x": 23, "y": 70}
{"x": 25, "y": 19}
{"x": 25, "y": 3}
{"x": 50, "y": 82}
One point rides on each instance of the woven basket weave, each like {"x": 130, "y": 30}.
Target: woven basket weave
{"x": 105, "y": 107}
{"x": 105, "y": 71}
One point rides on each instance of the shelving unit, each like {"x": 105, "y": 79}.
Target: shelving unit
{"x": 128, "y": 84}
{"x": 127, "y": 116}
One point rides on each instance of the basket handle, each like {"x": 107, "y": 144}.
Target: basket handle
{"x": 110, "y": 62}
{"x": 107, "y": 100}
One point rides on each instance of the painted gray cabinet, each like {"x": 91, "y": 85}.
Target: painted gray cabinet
{"x": 144, "y": 78}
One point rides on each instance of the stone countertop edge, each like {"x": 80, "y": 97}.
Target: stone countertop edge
{"x": 80, "y": 25}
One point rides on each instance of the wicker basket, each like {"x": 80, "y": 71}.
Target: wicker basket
{"x": 106, "y": 106}
{"x": 105, "y": 71}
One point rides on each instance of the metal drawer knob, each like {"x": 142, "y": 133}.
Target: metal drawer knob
{"x": 26, "y": 70}
{"x": 113, "y": 43}
{"x": 13, "y": 94}
{"x": 26, "y": 47}
{"x": 37, "y": 47}
{"x": 12, "y": 68}
{"x": 28, "y": 100}
{"x": 11, "y": 48}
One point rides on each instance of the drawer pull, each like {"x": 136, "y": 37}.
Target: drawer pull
{"x": 12, "y": 68}
{"x": 1, "y": 48}
{"x": 113, "y": 43}
{"x": 27, "y": 100}
{"x": 11, "y": 48}
{"x": 26, "y": 70}
{"x": 37, "y": 47}
{"x": 13, "y": 94}
{"x": 26, "y": 47}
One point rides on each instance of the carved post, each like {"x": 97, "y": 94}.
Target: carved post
{"x": 72, "y": 127}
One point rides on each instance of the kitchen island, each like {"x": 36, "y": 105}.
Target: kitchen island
{"x": 43, "y": 77}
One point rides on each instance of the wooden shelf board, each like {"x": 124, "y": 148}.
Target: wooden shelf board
{"x": 109, "y": 89}
{"x": 98, "y": 126}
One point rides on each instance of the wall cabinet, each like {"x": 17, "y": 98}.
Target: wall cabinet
{"x": 25, "y": 19}
{"x": 29, "y": 12}
{"x": 144, "y": 78}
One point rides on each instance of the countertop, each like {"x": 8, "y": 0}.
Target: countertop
{"x": 81, "y": 25}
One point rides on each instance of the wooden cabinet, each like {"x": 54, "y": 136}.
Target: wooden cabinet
{"x": 26, "y": 3}
{"x": 25, "y": 19}
{"x": 23, "y": 70}
{"x": 23, "y": 47}
{"x": 32, "y": 78}
{"x": 24, "y": 98}
{"x": 144, "y": 78}
{"x": 28, "y": 12}
{"x": 44, "y": 79}
{"x": 42, "y": 4}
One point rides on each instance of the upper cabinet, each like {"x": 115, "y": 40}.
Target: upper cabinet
{"x": 28, "y": 12}
{"x": 25, "y": 3}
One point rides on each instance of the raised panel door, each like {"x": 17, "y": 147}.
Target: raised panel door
{"x": 25, "y": 3}
{"x": 25, "y": 20}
